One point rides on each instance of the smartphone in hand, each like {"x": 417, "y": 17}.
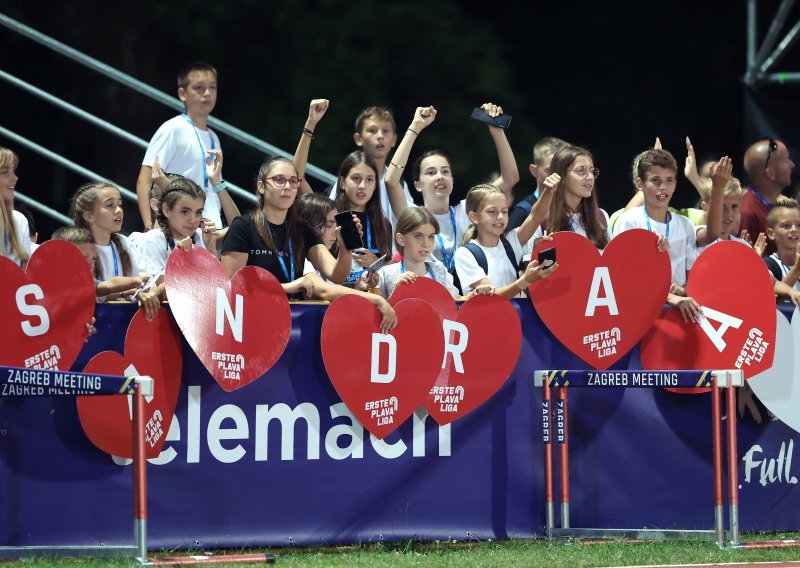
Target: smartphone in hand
{"x": 376, "y": 266}
{"x": 352, "y": 240}
{"x": 501, "y": 121}
{"x": 547, "y": 257}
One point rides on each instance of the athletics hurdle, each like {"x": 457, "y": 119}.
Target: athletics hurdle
{"x": 562, "y": 379}
{"x": 22, "y": 382}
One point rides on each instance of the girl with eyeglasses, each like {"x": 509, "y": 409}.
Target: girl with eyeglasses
{"x": 574, "y": 203}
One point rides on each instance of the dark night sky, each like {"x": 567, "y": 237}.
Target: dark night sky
{"x": 609, "y": 78}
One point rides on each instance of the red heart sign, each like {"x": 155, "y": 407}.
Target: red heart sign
{"x": 382, "y": 378}
{"x": 734, "y": 334}
{"x": 482, "y": 344}
{"x": 152, "y": 349}
{"x": 600, "y": 306}
{"x": 46, "y": 309}
{"x": 238, "y": 327}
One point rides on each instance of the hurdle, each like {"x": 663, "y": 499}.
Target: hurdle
{"x": 555, "y": 409}
{"x": 17, "y": 382}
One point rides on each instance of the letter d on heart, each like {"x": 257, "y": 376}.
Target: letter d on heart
{"x": 375, "y": 374}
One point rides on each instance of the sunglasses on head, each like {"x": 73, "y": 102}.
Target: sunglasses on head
{"x": 772, "y": 147}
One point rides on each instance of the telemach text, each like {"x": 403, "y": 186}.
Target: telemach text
{"x": 36, "y": 382}
{"x": 639, "y": 379}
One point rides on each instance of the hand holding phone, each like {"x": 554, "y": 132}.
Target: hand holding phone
{"x": 501, "y": 121}
{"x": 376, "y": 266}
{"x": 350, "y": 235}
{"x": 547, "y": 257}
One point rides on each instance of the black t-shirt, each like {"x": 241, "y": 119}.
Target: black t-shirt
{"x": 243, "y": 237}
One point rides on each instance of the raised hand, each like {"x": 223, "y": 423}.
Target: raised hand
{"x": 721, "y": 172}
{"x": 214, "y": 166}
{"x": 317, "y": 109}
{"x": 690, "y": 166}
{"x": 423, "y": 117}
{"x": 761, "y": 244}
{"x": 492, "y": 110}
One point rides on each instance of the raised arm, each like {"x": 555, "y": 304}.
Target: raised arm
{"x": 719, "y": 179}
{"x": 143, "y": 184}
{"x": 214, "y": 171}
{"x": 316, "y": 111}
{"x": 540, "y": 209}
{"x": 509, "y": 174}
{"x": 700, "y": 183}
{"x": 393, "y": 179}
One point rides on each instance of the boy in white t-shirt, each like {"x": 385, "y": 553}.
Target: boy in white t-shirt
{"x": 657, "y": 179}
{"x": 182, "y": 144}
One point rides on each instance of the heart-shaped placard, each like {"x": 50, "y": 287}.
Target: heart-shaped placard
{"x": 600, "y": 306}
{"x": 152, "y": 349}
{"x": 734, "y": 290}
{"x": 778, "y": 388}
{"x": 482, "y": 344}
{"x": 45, "y": 309}
{"x": 238, "y": 327}
{"x": 382, "y": 378}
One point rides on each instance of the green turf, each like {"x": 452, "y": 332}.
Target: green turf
{"x": 507, "y": 553}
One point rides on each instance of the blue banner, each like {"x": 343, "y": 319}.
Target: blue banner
{"x": 281, "y": 462}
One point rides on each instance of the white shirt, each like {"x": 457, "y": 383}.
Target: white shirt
{"x": 106, "y": 255}
{"x": 179, "y": 152}
{"x": 575, "y": 224}
{"x": 682, "y": 238}
{"x": 446, "y": 230}
{"x": 23, "y": 234}
{"x": 153, "y": 250}
{"x": 500, "y": 272}
{"x": 389, "y": 274}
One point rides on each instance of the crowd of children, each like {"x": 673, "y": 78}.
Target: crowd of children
{"x": 480, "y": 245}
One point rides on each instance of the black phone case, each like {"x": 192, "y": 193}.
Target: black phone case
{"x": 352, "y": 240}
{"x": 501, "y": 121}
{"x": 546, "y": 254}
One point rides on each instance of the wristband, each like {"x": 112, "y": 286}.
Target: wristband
{"x": 220, "y": 187}
{"x": 308, "y": 132}
{"x": 414, "y": 131}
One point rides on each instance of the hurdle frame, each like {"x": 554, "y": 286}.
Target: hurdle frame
{"x": 555, "y": 409}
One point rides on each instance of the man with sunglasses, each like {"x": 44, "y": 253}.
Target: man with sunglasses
{"x": 769, "y": 170}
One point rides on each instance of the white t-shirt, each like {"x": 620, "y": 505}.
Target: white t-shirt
{"x": 575, "y": 224}
{"x": 153, "y": 250}
{"x": 179, "y": 152}
{"x": 23, "y": 234}
{"x": 500, "y": 272}
{"x": 700, "y": 250}
{"x": 386, "y": 207}
{"x": 446, "y": 230}
{"x": 106, "y": 254}
{"x": 389, "y": 274}
{"x": 682, "y": 238}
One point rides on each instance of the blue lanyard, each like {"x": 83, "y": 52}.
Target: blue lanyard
{"x": 114, "y": 256}
{"x": 427, "y": 268}
{"x": 202, "y": 148}
{"x": 280, "y": 257}
{"x": 647, "y": 218}
{"x": 761, "y": 199}
{"x": 369, "y": 237}
{"x": 449, "y": 260}
{"x": 8, "y": 245}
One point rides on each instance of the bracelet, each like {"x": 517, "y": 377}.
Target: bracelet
{"x": 414, "y": 131}
{"x": 220, "y": 187}
{"x": 396, "y": 166}
{"x": 308, "y": 132}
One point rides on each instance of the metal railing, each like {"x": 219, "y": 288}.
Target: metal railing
{"x": 135, "y": 84}
{"x": 761, "y": 60}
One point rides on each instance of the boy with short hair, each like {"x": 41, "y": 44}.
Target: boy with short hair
{"x": 376, "y": 135}
{"x": 543, "y": 152}
{"x": 657, "y": 179}
{"x": 783, "y": 222}
{"x": 182, "y": 144}
{"x": 731, "y": 213}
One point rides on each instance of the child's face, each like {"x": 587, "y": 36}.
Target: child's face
{"x": 275, "y": 196}
{"x": 492, "y": 216}
{"x": 200, "y": 96}
{"x": 185, "y": 216}
{"x": 786, "y": 230}
{"x": 89, "y": 251}
{"x": 8, "y": 181}
{"x": 418, "y": 243}
{"x": 359, "y": 185}
{"x": 731, "y": 216}
{"x": 435, "y": 178}
{"x": 579, "y": 181}
{"x": 377, "y": 138}
{"x": 328, "y": 229}
{"x": 658, "y": 186}
{"x": 107, "y": 211}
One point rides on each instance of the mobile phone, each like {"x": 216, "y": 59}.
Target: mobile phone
{"x": 352, "y": 240}
{"x": 501, "y": 121}
{"x": 547, "y": 256}
{"x": 149, "y": 284}
{"x": 376, "y": 266}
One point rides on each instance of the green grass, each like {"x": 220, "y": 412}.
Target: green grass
{"x": 506, "y": 553}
